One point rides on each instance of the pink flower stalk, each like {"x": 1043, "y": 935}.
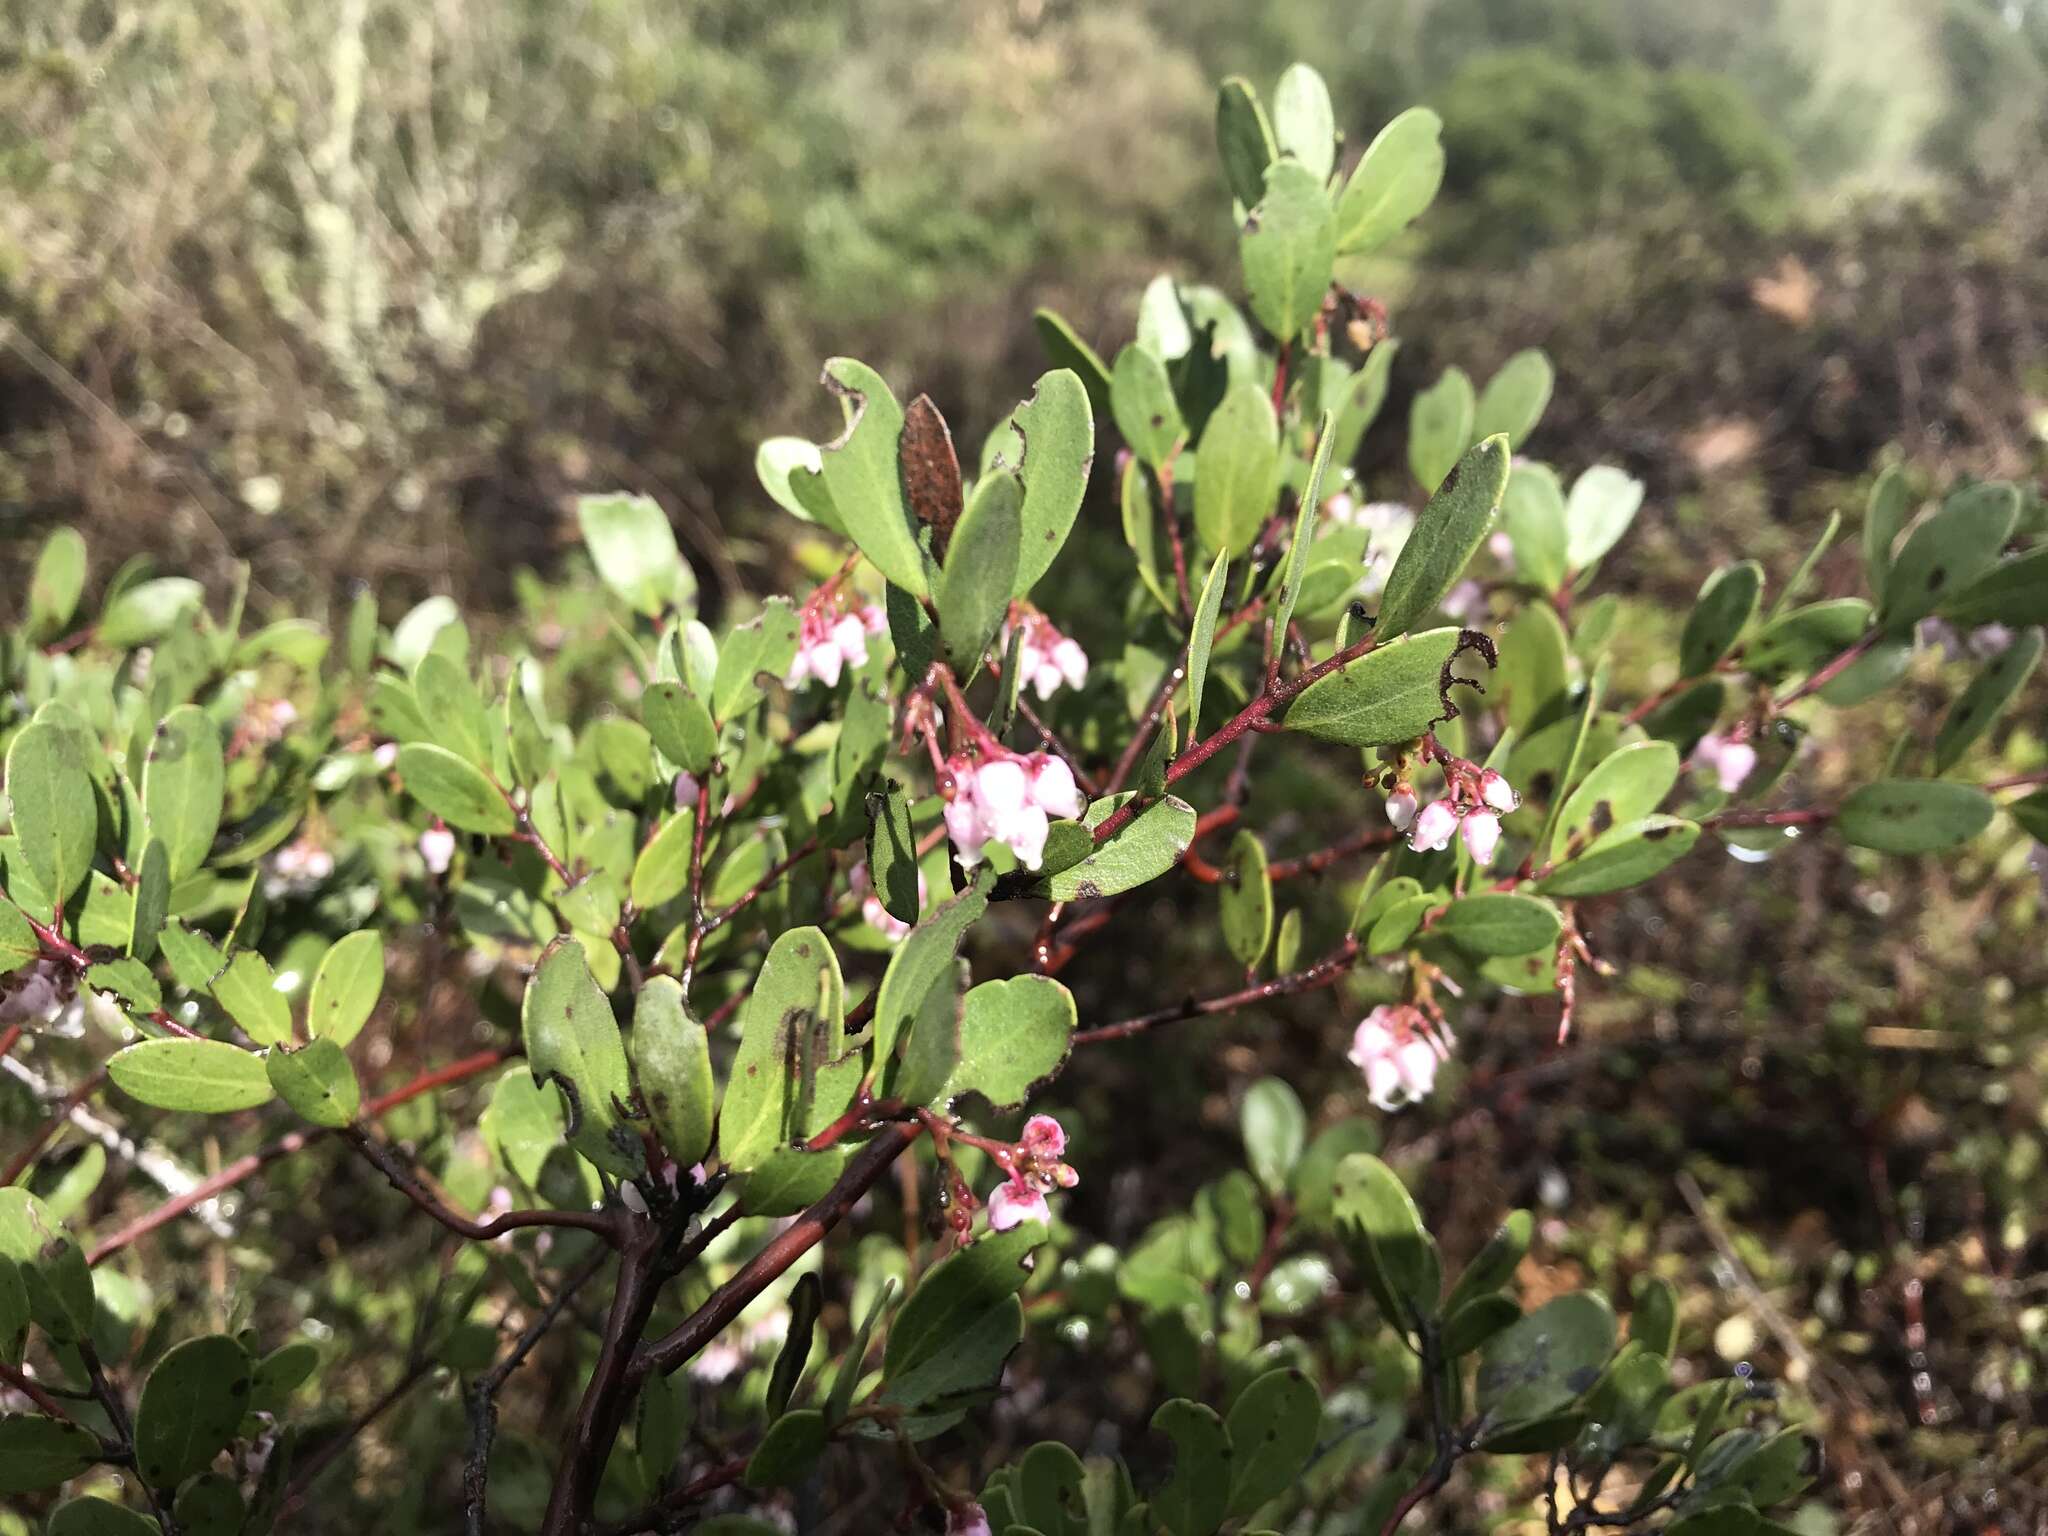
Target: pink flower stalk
{"x": 437, "y": 848}
{"x": 1397, "y": 1056}
{"x": 1010, "y": 800}
{"x": 1045, "y": 657}
{"x": 1730, "y": 762}
{"x": 829, "y": 642}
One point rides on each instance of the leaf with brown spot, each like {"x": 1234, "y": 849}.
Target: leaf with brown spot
{"x": 931, "y": 472}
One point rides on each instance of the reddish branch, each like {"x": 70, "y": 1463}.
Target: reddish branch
{"x": 1253, "y": 716}
{"x": 681, "y": 1344}
{"x": 240, "y": 1169}
{"x": 1325, "y": 972}
{"x": 605, "y": 1224}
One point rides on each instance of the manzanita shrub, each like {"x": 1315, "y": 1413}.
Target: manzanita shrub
{"x": 719, "y": 903}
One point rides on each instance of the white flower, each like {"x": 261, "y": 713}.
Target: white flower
{"x": 828, "y": 643}
{"x": 1014, "y": 1203}
{"x": 1046, "y": 659}
{"x": 1434, "y": 827}
{"x": 1401, "y": 807}
{"x": 437, "y": 847}
{"x": 1053, "y": 787}
{"x": 1730, "y": 762}
{"x": 1398, "y": 1062}
{"x": 1008, "y": 800}
{"x": 1497, "y": 792}
{"x": 1482, "y": 836}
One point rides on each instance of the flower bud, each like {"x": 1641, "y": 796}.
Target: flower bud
{"x": 1401, "y": 805}
{"x": 687, "y": 789}
{"x": 968, "y": 1519}
{"x": 1495, "y": 790}
{"x": 1044, "y": 1138}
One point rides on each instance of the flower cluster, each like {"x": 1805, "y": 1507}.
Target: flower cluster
{"x": 1475, "y": 799}
{"x": 302, "y": 865}
{"x": 1036, "y": 1170}
{"x": 1729, "y": 759}
{"x": 1398, "y": 1053}
{"x": 879, "y": 917}
{"x": 829, "y": 641}
{"x": 1003, "y": 798}
{"x": 1045, "y": 657}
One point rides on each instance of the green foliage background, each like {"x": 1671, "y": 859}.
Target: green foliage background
{"x": 360, "y": 292}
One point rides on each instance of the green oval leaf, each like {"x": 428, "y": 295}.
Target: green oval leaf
{"x": 95, "y": 1516}
{"x": 1391, "y": 694}
{"x": 672, "y": 1062}
{"x": 680, "y": 725}
{"x": 1440, "y": 428}
{"x": 634, "y": 549}
{"x": 1275, "y": 1129}
{"x": 1014, "y": 1035}
{"x": 1799, "y": 641}
{"x": 1146, "y": 848}
{"x": 55, "y": 810}
{"x": 317, "y": 1082}
{"x": 1496, "y": 923}
{"x": 1394, "y": 181}
{"x": 1449, "y": 532}
{"x": 572, "y": 1039}
{"x": 762, "y": 647}
{"x": 58, "y": 582}
{"x": 1625, "y": 786}
{"x": 1914, "y": 815}
{"x": 1726, "y": 603}
{"x": 1196, "y": 1498}
{"x": 662, "y": 870}
{"x": 454, "y": 790}
{"x": 207, "y": 1077}
{"x": 37, "y": 1452}
{"x": 1244, "y": 139}
{"x": 1058, "y": 431}
{"x": 1288, "y": 246}
{"x": 1546, "y": 1361}
{"x": 1375, "y": 1212}
{"x": 346, "y": 988}
{"x": 1272, "y": 1428}
{"x": 1603, "y": 502}
{"x": 789, "y": 1029}
{"x": 1627, "y": 855}
{"x": 981, "y": 570}
{"x": 247, "y": 989}
{"x": 190, "y": 1407}
{"x": 1980, "y": 704}
{"x": 863, "y": 475}
{"x": 2013, "y": 592}
{"x": 1246, "y": 897}
{"x": 55, "y": 1283}
{"x": 1948, "y": 552}
{"x": 1141, "y": 398}
{"x": 1237, "y": 469}
{"x": 1532, "y": 516}
{"x": 1516, "y": 397}
{"x": 1304, "y": 123}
